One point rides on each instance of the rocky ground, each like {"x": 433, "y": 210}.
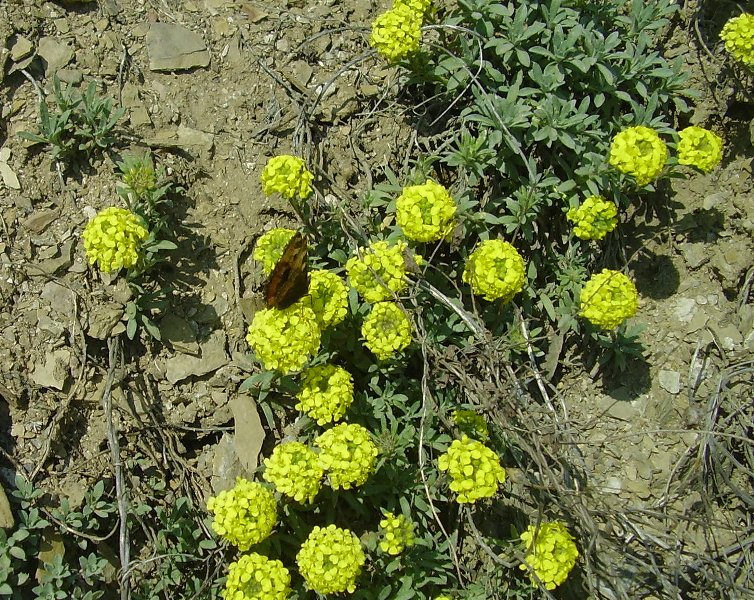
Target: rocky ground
{"x": 216, "y": 87}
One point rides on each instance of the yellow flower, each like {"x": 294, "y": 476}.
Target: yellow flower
{"x": 326, "y": 393}
{"x": 397, "y": 534}
{"x": 330, "y": 560}
{"x": 420, "y": 7}
{"x": 113, "y": 238}
{"x": 474, "y": 470}
{"x": 608, "y": 299}
{"x": 244, "y": 515}
{"x": 294, "y": 470}
{"x": 347, "y": 455}
{"x": 396, "y": 33}
{"x": 471, "y": 423}
{"x": 594, "y": 219}
{"x": 386, "y": 330}
{"x": 288, "y": 176}
{"x": 639, "y": 151}
{"x": 425, "y": 212}
{"x": 495, "y": 270}
{"x": 738, "y": 35}
{"x": 256, "y": 577}
{"x": 700, "y": 148}
{"x": 550, "y": 555}
{"x": 284, "y": 339}
{"x": 379, "y": 272}
{"x": 329, "y": 298}
{"x": 270, "y": 246}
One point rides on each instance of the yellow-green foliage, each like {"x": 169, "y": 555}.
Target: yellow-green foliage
{"x": 378, "y": 271}
{"x": 256, "y": 577}
{"x": 245, "y": 514}
{"x": 270, "y": 247}
{"x": 397, "y": 533}
{"x": 425, "y": 212}
{"x": 386, "y": 330}
{"x": 396, "y": 33}
{"x": 330, "y": 560}
{"x": 347, "y": 455}
{"x": 608, "y": 299}
{"x": 551, "y": 554}
{"x": 326, "y": 393}
{"x": 328, "y": 298}
{"x": 284, "y": 339}
{"x": 288, "y": 176}
{"x": 700, "y": 148}
{"x": 594, "y": 218}
{"x": 293, "y": 468}
{"x": 474, "y": 469}
{"x": 639, "y": 152}
{"x": 495, "y": 270}
{"x": 738, "y": 35}
{"x": 113, "y": 239}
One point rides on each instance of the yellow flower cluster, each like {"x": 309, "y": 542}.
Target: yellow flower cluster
{"x": 551, "y": 554}
{"x": 284, "y": 339}
{"x": 495, "y": 270}
{"x": 608, "y": 299}
{"x": 700, "y": 148}
{"x": 256, "y": 577}
{"x": 140, "y": 177}
{"x": 113, "y": 238}
{"x": 420, "y": 7}
{"x": 270, "y": 247}
{"x": 326, "y": 393}
{"x": 293, "y": 468}
{"x": 396, "y": 33}
{"x": 386, "y": 330}
{"x": 594, "y": 219}
{"x": 288, "y": 176}
{"x": 397, "y": 534}
{"x": 244, "y": 515}
{"x": 330, "y": 560}
{"x": 474, "y": 470}
{"x": 639, "y": 151}
{"x": 347, "y": 455}
{"x": 738, "y": 35}
{"x": 329, "y": 298}
{"x": 425, "y": 212}
{"x": 379, "y": 271}
{"x": 471, "y": 423}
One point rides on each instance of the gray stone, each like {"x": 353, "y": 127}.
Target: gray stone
{"x": 249, "y": 435}
{"x": 54, "y": 372}
{"x": 6, "y": 515}
{"x": 10, "y": 179}
{"x": 178, "y": 334}
{"x": 184, "y": 138}
{"x": 685, "y": 308}
{"x": 60, "y": 298}
{"x": 38, "y": 221}
{"x": 102, "y": 319}
{"x": 21, "y": 48}
{"x": 695, "y": 254}
{"x": 213, "y": 356}
{"x": 670, "y": 381}
{"x": 70, "y": 76}
{"x": 172, "y": 47}
{"x": 63, "y": 260}
{"x": 225, "y": 465}
{"x": 55, "y": 54}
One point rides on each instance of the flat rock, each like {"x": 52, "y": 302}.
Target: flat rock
{"x": 38, "y": 221}
{"x": 212, "y": 357}
{"x": 670, "y": 381}
{"x": 249, "y": 435}
{"x": 102, "y": 319}
{"x": 179, "y": 334}
{"x": 6, "y": 515}
{"x": 54, "y": 371}
{"x": 9, "y": 177}
{"x": 20, "y": 48}
{"x": 225, "y": 465}
{"x": 172, "y": 47}
{"x": 184, "y": 138}
{"x": 54, "y": 53}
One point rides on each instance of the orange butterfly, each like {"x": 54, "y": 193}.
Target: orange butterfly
{"x": 289, "y": 280}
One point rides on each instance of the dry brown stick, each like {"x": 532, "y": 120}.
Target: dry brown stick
{"x": 114, "y": 355}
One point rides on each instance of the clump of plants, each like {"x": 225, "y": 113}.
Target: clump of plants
{"x": 79, "y": 124}
{"x": 558, "y": 120}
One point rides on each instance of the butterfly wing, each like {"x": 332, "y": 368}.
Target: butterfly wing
{"x": 289, "y": 280}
